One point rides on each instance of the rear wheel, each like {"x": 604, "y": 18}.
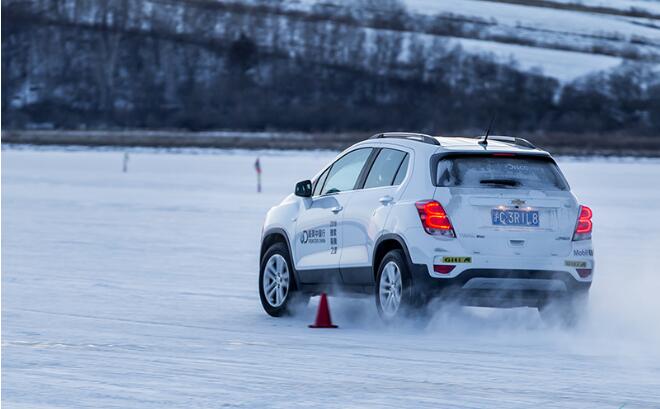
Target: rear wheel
{"x": 393, "y": 289}
{"x": 277, "y": 286}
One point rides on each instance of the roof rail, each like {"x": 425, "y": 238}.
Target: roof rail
{"x": 516, "y": 141}
{"x": 420, "y": 137}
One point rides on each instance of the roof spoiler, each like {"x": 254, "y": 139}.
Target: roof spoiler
{"x": 516, "y": 141}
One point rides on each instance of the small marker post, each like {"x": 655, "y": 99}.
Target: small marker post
{"x": 257, "y": 168}
{"x": 125, "y": 165}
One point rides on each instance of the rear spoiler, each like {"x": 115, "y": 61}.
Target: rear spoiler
{"x": 516, "y": 141}
{"x": 523, "y": 143}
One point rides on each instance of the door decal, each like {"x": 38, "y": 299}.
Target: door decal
{"x": 313, "y": 236}
{"x": 333, "y": 237}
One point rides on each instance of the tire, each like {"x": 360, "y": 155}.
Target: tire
{"x": 567, "y": 311}
{"x": 393, "y": 288}
{"x": 277, "y": 284}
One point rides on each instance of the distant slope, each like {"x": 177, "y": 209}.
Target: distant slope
{"x": 331, "y": 65}
{"x": 629, "y": 7}
{"x": 563, "y": 38}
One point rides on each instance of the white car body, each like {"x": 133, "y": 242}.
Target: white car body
{"x": 337, "y": 239}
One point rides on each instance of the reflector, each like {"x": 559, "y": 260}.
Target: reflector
{"x": 443, "y": 268}
{"x": 584, "y": 272}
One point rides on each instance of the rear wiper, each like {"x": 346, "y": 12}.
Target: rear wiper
{"x": 500, "y": 182}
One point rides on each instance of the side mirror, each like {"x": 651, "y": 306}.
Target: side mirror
{"x": 304, "y": 188}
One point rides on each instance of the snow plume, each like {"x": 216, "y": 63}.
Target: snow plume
{"x": 622, "y": 315}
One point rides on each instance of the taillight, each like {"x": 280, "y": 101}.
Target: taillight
{"x": 584, "y": 224}
{"x": 434, "y": 218}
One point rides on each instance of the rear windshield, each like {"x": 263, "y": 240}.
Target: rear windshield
{"x": 500, "y": 172}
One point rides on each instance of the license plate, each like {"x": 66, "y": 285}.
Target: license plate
{"x": 528, "y": 218}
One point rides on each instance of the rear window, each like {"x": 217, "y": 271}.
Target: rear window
{"x": 500, "y": 172}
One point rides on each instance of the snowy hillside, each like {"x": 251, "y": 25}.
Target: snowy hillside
{"x": 643, "y": 6}
{"x": 564, "y": 39}
{"x": 332, "y": 65}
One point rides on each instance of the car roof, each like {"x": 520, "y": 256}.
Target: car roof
{"x": 458, "y": 144}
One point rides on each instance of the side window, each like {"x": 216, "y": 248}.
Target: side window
{"x": 401, "y": 173}
{"x": 319, "y": 182}
{"x": 384, "y": 168}
{"x": 345, "y": 172}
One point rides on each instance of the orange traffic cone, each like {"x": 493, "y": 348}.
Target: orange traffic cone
{"x": 323, "y": 319}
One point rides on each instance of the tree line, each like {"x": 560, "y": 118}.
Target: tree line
{"x": 199, "y": 65}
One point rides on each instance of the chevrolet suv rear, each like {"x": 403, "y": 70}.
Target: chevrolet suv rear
{"x": 410, "y": 217}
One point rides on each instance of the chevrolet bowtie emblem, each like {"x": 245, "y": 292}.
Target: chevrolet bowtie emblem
{"x": 518, "y": 202}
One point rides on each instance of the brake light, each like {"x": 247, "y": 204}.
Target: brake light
{"x": 434, "y": 218}
{"x": 584, "y": 225}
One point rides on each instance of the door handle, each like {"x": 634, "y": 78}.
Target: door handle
{"x": 337, "y": 209}
{"x": 385, "y": 200}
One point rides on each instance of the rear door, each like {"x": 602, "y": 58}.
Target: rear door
{"x": 367, "y": 211}
{"x": 319, "y": 224}
{"x": 507, "y": 204}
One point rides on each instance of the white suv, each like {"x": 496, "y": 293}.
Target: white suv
{"x": 487, "y": 221}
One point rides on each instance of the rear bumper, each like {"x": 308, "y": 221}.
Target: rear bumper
{"x": 426, "y": 251}
{"x": 498, "y": 287}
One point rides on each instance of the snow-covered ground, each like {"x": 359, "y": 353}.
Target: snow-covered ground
{"x": 139, "y": 290}
{"x": 560, "y": 64}
{"x": 548, "y": 19}
{"x": 561, "y": 43}
{"x": 650, "y": 6}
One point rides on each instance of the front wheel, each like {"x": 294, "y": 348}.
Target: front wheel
{"x": 393, "y": 289}
{"x": 277, "y": 286}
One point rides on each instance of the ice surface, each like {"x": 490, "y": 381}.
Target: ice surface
{"x": 139, "y": 290}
